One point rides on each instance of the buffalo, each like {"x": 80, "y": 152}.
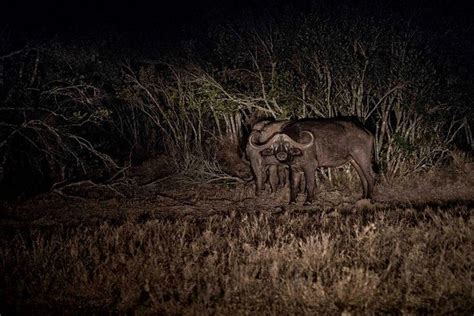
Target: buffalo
{"x": 307, "y": 144}
{"x": 261, "y": 165}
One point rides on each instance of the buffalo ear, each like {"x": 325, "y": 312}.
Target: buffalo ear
{"x": 295, "y": 152}
{"x": 266, "y": 152}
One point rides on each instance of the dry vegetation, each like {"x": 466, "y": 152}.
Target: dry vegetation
{"x": 210, "y": 249}
{"x": 398, "y": 260}
{"x": 89, "y": 110}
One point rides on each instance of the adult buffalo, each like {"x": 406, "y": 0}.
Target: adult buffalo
{"x": 261, "y": 165}
{"x": 308, "y": 144}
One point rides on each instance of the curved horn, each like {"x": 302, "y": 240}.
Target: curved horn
{"x": 301, "y": 145}
{"x": 260, "y": 146}
{"x": 269, "y": 142}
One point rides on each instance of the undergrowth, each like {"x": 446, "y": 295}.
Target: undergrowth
{"x": 382, "y": 261}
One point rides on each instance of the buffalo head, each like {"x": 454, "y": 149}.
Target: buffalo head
{"x": 282, "y": 146}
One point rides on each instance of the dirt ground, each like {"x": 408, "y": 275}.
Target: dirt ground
{"x": 175, "y": 195}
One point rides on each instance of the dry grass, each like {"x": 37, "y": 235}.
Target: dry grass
{"x": 178, "y": 248}
{"x": 368, "y": 261}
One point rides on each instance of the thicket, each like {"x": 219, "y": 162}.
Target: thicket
{"x": 88, "y": 109}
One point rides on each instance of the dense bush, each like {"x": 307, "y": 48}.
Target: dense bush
{"x": 83, "y": 110}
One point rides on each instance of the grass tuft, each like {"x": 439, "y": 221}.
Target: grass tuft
{"x": 371, "y": 261}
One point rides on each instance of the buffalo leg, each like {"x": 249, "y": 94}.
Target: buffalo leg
{"x": 260, "y": 177}
{"x": 273, "y": 175}
{"x": 302, "y": 182}
{"x": 363, "y": 179}
{"x": 310, "y": 184}
{"x": 370, "y": 176}
{"x": 282, "y": 176}
{"x": 295, "y": 178}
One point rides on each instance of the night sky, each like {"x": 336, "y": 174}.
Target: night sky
{"x": 144, "y": 26}
{"x": 173, "y": 20}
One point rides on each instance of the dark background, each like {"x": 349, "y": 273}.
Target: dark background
{"x": 174, "y": 19}
{"x": 138, "y": 25}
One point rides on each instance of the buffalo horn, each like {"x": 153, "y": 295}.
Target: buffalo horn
{"x": 285, "y": 137}
{"x": 301, "y": 145}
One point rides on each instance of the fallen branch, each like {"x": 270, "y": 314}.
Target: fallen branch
{"x": 86, "y": 184}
